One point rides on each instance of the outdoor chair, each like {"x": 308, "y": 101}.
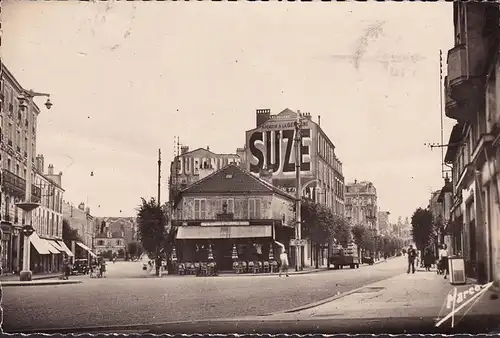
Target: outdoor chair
{"x": 236, "y": 267}
{"x": 251, "y": 267}
{"x": 274, "y": 266}
{"x": 259, "y": 266}
{"x": 182, "y": 269}
{"x": 266, "y": 267}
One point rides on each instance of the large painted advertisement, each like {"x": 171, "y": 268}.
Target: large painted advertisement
{"x": 272, "y": 146}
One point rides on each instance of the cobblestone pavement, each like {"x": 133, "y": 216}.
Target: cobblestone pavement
{"x": 126, "y": 301}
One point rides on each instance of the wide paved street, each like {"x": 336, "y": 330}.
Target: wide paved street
{"x": 125, "y": 301}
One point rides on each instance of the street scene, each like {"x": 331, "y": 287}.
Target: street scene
{"x": 249, "y": 177}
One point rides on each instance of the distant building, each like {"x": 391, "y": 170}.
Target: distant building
{"x": 383, "y": 222}
{"x": 361, "y": 204}
{"x": 113, "y": 234}
{"x": 189, "y": 166}
{"x": 80, "y": 219}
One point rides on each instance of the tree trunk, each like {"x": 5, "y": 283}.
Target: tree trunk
{"x": 316, "y": 249}
{"x": 328, "y": 254}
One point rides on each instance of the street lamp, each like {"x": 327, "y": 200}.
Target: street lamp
{"x": 25, "y": 103}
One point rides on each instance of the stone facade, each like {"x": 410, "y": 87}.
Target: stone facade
{"x": 361, "y": 204}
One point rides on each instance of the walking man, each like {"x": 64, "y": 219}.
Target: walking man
{"x": 412, "y": 254}
{"x": 284, "y": 262}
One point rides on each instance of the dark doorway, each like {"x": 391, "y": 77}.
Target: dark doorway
{"x": 472, "y": 250}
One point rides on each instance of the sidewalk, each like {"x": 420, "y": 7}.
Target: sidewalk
{"x": 291, "y": 271}
{"x": 11, "y": 277}
{"x": 36, "y": 280}
{"x": 423, "y": 294}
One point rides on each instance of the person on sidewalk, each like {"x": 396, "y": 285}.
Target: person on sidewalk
{"x": 443, "y": 257}
{"x": 284, "y": 262}
{"x": 428, "y": 259}
{"x": 412, "y": 255}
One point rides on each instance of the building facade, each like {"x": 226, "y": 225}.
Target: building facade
{"x": 270, "y": 146}
{"x": 232, "y": 208}
{"x": 17, "y": 126}
{"x": 80, "y": 219}
{"x": 185, "y": 168}
{"x": 114, "y": 234}
{"x": 384, "y": 223}
{"x": 361, "y": 204}
{"x": 471, "y": 98}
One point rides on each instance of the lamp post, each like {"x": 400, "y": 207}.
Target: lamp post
{"x": 298, "y": 227}
{"x": 25, "y": 103}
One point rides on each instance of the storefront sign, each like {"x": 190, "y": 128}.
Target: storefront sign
{"x": 308, "y": 192}
{"x": 230, "y": 223}
{"x": 274, "y": 149}
{"x": 191, "y": 165}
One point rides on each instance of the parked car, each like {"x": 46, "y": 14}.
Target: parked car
{"x": 80, "y": 267}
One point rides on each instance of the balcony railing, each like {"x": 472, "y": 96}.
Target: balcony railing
{"x": 453, "y": 109}
{"x": 464, "y": 83}
{"x": 16, "y": 186}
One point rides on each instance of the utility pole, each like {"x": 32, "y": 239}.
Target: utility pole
{"x": 298, "y": 227}
{"x": 159, "y": 175}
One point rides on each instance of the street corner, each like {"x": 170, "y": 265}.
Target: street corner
{"x": 40, "y": 283}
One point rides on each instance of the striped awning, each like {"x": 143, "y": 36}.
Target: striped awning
{"x": 86, "y": 248}
{"x": 41, "y": 245}
{"x": 218, "y": 232}
{"x": 65, "y": 248}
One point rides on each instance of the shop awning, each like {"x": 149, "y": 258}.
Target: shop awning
{"x": 41, "y": 245}
{"x": 66, "y": 249}
{"x": 84, "y": 247}
{"x": 55, "y": 245}
{"x": 207, "y": 232}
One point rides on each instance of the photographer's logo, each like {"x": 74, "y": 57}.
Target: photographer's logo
{"x": 457, "y": 300}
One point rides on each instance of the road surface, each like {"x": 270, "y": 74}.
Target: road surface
{"x": 130, "y": 301}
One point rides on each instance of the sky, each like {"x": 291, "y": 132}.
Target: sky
{"x": 125, "y": 78}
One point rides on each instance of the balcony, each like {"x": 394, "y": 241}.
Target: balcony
{"x": 453, "y": 109}
{"x": 16, "y": 186}
{"x": 464, "y": 83}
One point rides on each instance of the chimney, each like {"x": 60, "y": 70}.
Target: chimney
{"x": 81, "y": 206}
{"x": 184, "y": 149}
{"x": 319, "y": 120}
{"x": 266, "y": 175}
{"x": 262, "y": 115}
{"x": 208, "y": 148}
{"x": 51, "y": 169}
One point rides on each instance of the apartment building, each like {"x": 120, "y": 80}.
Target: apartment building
{"x": 80, "y": 219}
{"x": 361, "y": 204}
{"x": 471, "y": 98}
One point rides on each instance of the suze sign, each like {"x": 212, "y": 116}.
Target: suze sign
{"x": 272, "y": 146}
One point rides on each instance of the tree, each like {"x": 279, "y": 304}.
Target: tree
{"x": 358, "y": 236}
{"x": 422, "y": 228}
{"x": 151, "y": 222}
{"x": 69, "y": 234}
{"x": 134, "y": 249}
{"x": 321, "y": 226}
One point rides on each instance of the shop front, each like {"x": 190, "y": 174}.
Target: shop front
{"x": 43, "y": 255}
{"x": 227, "y": 244}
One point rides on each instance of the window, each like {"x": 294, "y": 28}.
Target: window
{"x": 200, "y": 208}
{"x": 254, "y": 205}
{"x": 230, "y": 205}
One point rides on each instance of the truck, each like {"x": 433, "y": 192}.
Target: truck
{"x": 347, "y": 256}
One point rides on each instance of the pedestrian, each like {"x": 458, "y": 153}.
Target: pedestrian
{"x": 443, "y": 257}
{"x": 284, "y": 262}
{"x": 158, "y": 266}
{"x": 412, "y": 255}
{"x": 428, "y": 259}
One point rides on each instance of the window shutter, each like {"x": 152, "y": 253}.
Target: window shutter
{"x": 203, "y": 207}
{"x": 230, "y": 205}
{"x": 251, "y": 208}
{"x": 196, "y": 209}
